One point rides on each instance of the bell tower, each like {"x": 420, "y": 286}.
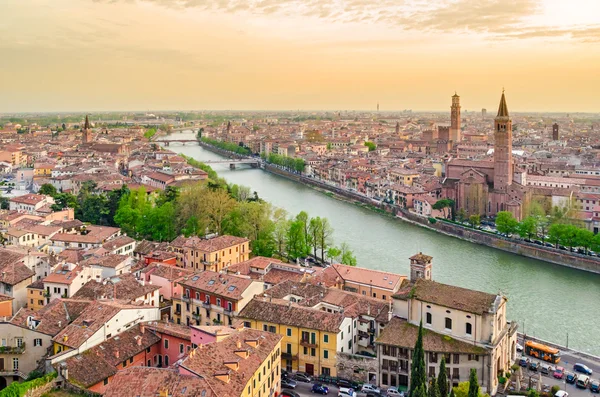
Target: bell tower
{"x": 420, "y": 267}
{"x": 87, "y": 132}
{"x": 455, "y": 133}
{"x": 503, "y": 163}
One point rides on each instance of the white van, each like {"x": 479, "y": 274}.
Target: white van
{"x": 582, "y": 381}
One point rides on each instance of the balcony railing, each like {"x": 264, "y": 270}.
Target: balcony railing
{"x": 196, "y": 316}
{"x": 288, "y": 356}
{"x": 206, "y": 305}
{"x": 13, "y": 349}
{"x": 307, "y": 343}
{"x": 185, "y": 298}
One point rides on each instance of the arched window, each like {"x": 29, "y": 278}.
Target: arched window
{"x": 428, "y": 318}
{"x": 448, "y": 323}
{"x": 469, "y": 329}
{"x": 166, "y": 360}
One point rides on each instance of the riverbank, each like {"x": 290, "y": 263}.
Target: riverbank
{"x": 522, "y": 248}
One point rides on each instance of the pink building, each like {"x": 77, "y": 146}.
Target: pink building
{"x": 175, "y": 342}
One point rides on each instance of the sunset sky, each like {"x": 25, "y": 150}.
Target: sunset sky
{"x": 90, "y": 55}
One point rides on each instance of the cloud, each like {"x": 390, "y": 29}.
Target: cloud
{"x": 496, "y": 19}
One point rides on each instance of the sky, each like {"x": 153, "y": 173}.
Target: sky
{"x": 95, "y": 55}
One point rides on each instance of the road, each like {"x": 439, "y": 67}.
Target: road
{"x": 304, "y": 390}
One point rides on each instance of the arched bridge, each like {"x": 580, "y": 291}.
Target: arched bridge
{"x": 254, "y": 163}
{"x": 181, "y": 141}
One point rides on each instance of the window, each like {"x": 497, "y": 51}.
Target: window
{"x": 313, "y": 351}
{"x": 432, "y": 372}
{"x": 124, "y": 363}
{"x": 181, "y": 348}
{"x": 131, "y": 360}
{"x": 247, "y": 324}
{"x": 433, "y": 357}
{"x": 468, "y": 329}
{"x": 289, "y": 332}
{"x": 456, "y": 359}
{"x": 448, "y": 323}
{"x": 166, "y": 360}
{"x": 455, "y": 373}
{"x": 166, "y": 343}
{"x": 37, "y": 342}
{"x": 198, "y": 295}
{"x": 273, "y": 329}
{"x": 106, "y": 381}
{"x": 19, "y": 342}
{"x": 305, "y": 350}
{"x": 265, "y": 327}
{"x": 218, "y": 301}
{"x": 325, "y": 338}
{"x": 428, "y": 318}
{"x": 15, "y": 364}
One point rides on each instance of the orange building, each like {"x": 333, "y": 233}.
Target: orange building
{"x": 5, "y": 306}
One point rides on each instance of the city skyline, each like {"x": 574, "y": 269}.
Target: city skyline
{"x": 129, "y": 55}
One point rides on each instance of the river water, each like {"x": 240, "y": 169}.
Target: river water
{"x": 549, "y": 301}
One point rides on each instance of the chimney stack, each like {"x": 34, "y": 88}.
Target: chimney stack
{"x": 142, "y": 328}
{"x": 139, "y": 340}
{"x": 116, "y": 353}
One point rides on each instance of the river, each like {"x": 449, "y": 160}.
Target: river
{"x": 549, "y": 301}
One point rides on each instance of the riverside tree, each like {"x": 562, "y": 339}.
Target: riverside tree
{"x": 418, "y": 376}
{"x": 442, "y": 380}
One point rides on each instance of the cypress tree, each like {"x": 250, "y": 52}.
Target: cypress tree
{"x": 442, "y": 380}
{"x": 473, "y": 384}
{"x": 452, "y": 392}
{"x": 433, "y": 389}
{"x": 418, "y": 375}
{"x": 419, "y": 392}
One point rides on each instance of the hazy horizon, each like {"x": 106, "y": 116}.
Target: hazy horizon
{"x": 283, "y": 55}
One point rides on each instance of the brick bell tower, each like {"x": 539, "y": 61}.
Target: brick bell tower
{"x": 503, "y": 161}
{"x": 455, "y": 133}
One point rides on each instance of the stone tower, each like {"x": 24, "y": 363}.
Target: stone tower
{"x": 420, "y": 267}
{"x": 503, "y": 163}
{"x": 397, "y": 127}
{"x": 455, "y": 134}
{"x": 87, "y": 132}
{"x": 555, "y": 132}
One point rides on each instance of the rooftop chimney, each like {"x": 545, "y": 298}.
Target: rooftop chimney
{"x": 142, "y": 328}
{"x": 116, "y": 353}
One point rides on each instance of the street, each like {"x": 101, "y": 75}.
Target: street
{"x": 304, "y": 390}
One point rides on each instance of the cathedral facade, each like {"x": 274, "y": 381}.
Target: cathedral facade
{"x": 487, "y": 187}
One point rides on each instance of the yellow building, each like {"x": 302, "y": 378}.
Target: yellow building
{"x": 311, "y": 338}
{"x": 36, "y": 298}
{"x": 245, "y": 364}
{"x": 42, "y": 170}
{"x": 403, "y": 176}
{"x": 211, "y": 254}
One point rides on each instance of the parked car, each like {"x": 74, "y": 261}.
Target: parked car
{"x": 374, "y": 394}
{"x": 319, "y": 389}
{"x": 595, "y": 386}
{"x": 288, "y": 383}
{"x": 284, "y": 373}
{"x": 545, "y": 368}
{"x": 570, "y": 377}
{"x": 534, "y": 365}
{"x": 550, "y": 245}
{"x": 524, "y": 362}
{"x": 519, "y": 347}
{"x": 561, "y": 393}
{"x": 392, "y": 391}
{"x": 302, "y": 377}
{"x": 582, "y": 368}
{"x": 582, "y": 381}
{"x": 559, "y": 372}
{"x": 346, "y": 392}
{"x": 289, "y": 393}
{"x": 369, "y": 388}
{"x": 341, "y": 382}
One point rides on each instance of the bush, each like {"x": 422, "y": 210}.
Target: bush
{"x": 554, "y": 389}
{"x": 19, "y": 389}
{"x": 502, "y": 380}
{"x": 432, "y": 220}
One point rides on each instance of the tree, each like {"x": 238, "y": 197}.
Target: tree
{"x": 347, "y": 257}
{"x": 462, "y": 215}
{"x": 282, "y": 225}
{"x": 48, "y": 190}
{"x": 556, "y": 233}
{"x": 315, "y": 229}
{"x": 420, "y": 391}
{"x": 442, "y": 380}
{"x": 325, "y": 239}
{"x": 302, "y": 217}
{"x": 528, "y": 227}
{"x": 217, "y": 205}
{"x": 475, "y": 220}
{"x": 371, "y": 146}
{"x": 296, "y": 246}
{"x": 442, "y": 205}
{"x": 506, "y": 223}
{"x": 418, "y": 376}
{"x": 333, "y": 253}
{"x": 473, "y": 384}
{"x": 433, "y": 388}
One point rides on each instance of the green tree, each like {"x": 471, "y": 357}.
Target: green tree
{"x": 303, "y": 218}
{"x": 296, "y": 242}
{"x": 475, "y": 220}
{"x": 371, "y": 146}
{"x": 528, "y": 227}
{"x": 444, "y": 204}
{"x": 442, "y": 380}
{"x": 473, "y": 384}
{"x": 280, "y": 232}
{"x": 557, "y": 233}
{"x": 334, "y": 253}
{"x": 506, "y": 223}
{"x": 347, "y": 256}
{"x": 418, "y": 375}
{"x": 315, "y": 229}
{"x": 326, "y": 239}
{"x": 433, "y": 390}
{"x": 420, "y": 391}
{"x": 461, "y": 215}
{"x": 48, "y": 190}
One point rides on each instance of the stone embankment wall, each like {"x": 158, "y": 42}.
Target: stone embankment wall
{"x": 563, "y": 258}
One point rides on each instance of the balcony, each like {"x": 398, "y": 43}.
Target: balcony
{"x": 228, "y": 312}
{"x": 177, "y": 311}
{"x": 197, "y": 316}
{"x": 185, "y": 298}
{"x": 307, "y": 343}
{"x": 288, "y": 356}
{"x": 13, "y": 349}
{"x": 16, "y": 372}
{"x": 206, "y": 305}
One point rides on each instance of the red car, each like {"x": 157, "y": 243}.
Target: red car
{"x": 559, "y": 372}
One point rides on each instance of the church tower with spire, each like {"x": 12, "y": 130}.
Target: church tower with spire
{"x": 455, "y": 133}
{"x": 87, "y": 132}
{"x": 503, "y": 162}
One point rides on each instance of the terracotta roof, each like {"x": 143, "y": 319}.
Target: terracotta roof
{"x": 5, "y": 298}
{"x": 117, "y": 242}
{"x": 214, "y": 283}
{"x": 278, "y": 311}
{"x": 89, "y": 321}
{"x": 276, "y": 276}
{"x": 376, "y": 278}
{"x": 450, "y": 296}
{"x": 209, "y": 245}
{"x": 12, "y": 269}
{"x": 87, "y": 369}
{"x": 126, "y": 287}
{"x": 166, "y": 271}
{"x": 126, "y": 345}
{"x": 53, "y": 317}
{"x": 71, "y": 255}
{"x": 178, "y": 330}
{"x": 110, "y": 261}
{"x": 209, "y": 360}
{"x": 29, "y": 199}
{"x": 150, "y": 382}
{"x": 399, "y": 332}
